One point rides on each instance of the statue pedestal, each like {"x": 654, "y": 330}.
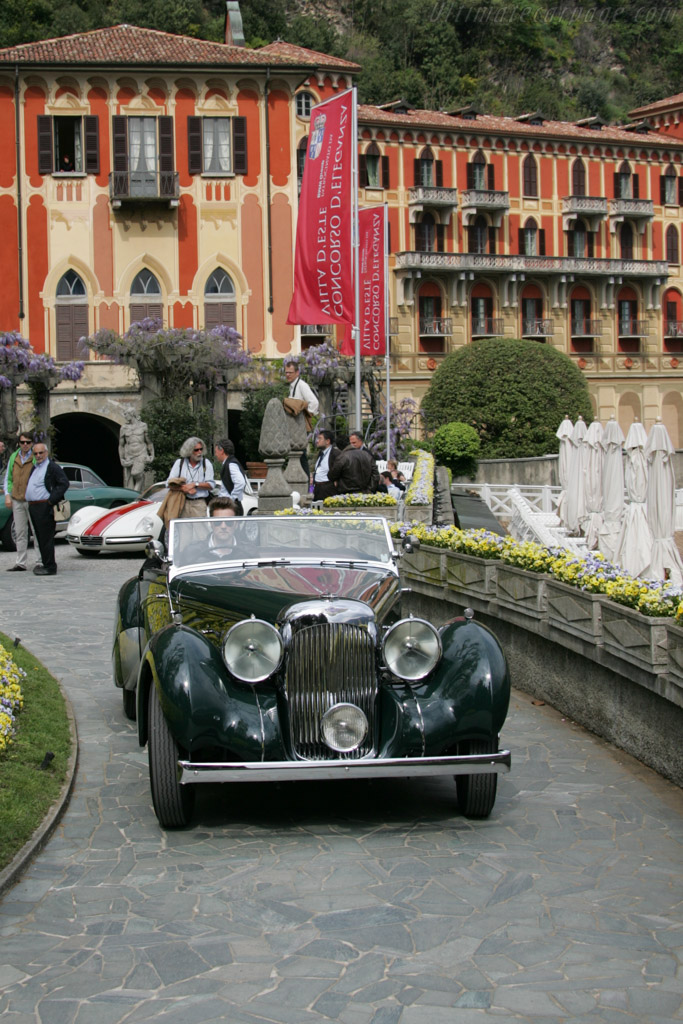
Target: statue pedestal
{"x": 294, "y": 474}
{"x": 275, "y": 493}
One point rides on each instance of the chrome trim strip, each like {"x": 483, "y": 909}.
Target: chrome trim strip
{"x": 284, "y": 771}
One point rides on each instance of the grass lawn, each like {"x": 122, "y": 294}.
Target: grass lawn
{"x": 26, "y": 793}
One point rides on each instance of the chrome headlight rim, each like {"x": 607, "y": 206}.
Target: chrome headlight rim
{"x": 253, "y": 650}
{"x": 393, "y": 646}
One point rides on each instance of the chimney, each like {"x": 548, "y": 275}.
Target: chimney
{"x": 234, "y": 33}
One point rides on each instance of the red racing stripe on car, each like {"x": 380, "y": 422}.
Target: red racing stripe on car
{"x": 100, "y": 525}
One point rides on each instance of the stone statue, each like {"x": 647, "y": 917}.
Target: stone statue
{"x": 136, "y": 451}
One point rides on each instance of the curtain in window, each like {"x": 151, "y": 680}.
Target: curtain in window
{"x": 78, "y": 148}
{"x": 208, "y": 144}
{"x": 150, "y": 143}
{"x": 223, "y": 132}
{"x": 134, "y": 141}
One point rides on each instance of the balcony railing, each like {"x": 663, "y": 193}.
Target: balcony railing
{"x": 587, "y": 266}
{"x": 538, "y": 328}
{"x": 429, "y": 195}
{"x": 634, "y": 328}
{"x": 317, "y": 329}
{"x": 673, "y": 329}
{"x": 586, "y": 328}
{"x": 485, "y": 199}
{"x": 589, "y": 206}
{"x": 634, "y": 209}
{"x": 436, "y": 326}
{"x": 143, "y": 187}
{"x": 487, "y": 327}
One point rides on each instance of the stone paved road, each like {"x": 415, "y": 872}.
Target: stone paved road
{"x": 361, "y": 903}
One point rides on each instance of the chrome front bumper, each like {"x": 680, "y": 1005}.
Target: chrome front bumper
{"x": 393, "y": 767}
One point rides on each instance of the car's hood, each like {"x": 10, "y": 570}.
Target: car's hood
{"x": 265, "y": 590}
{"x": 94, "y": 521}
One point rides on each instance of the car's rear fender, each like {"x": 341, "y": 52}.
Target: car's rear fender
{"x": 203, "y": 706}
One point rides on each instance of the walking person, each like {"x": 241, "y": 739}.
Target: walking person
{"x": 46, "y": 487}
{"x": 299, "y": 389}
{"x": 197, "y": 473}
{"x": 19, "y": 469}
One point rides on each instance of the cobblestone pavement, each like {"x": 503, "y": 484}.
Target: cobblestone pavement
{"x": 361, "y": 903}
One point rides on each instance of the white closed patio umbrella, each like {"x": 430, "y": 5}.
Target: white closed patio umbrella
{"x": 634, "y": 547}
{"x": 576, "y": 502}
{"x": 593, "y": 484}
{"x": 665, "y": 561}
{"x": 612, "y": 489}
{"x": 564, "y": 433}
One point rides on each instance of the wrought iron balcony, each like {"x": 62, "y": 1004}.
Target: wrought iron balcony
{"x": 673, "y": 329}
{"x": 586, "y": 328}
{"x": 586, "y": 266}
{"x": 481, "y": 200}
{"x": 538, "y": 328}
{"x": 143, "y": 187}
{"x": 317, "y": 329}
{"x": 436, "y": 326}
{"x": 634, "y": 328}
{"x": 487, "y": 327}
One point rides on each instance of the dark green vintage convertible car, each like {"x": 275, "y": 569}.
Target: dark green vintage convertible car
{"x": 274, "y": 648}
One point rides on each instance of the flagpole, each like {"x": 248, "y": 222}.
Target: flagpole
{"x": 356, "y": 247}
{"x": 387, "y": 336}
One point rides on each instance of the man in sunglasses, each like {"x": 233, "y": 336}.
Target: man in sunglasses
{"x": 47, "y": 485}
{"x": 19, "y": 469}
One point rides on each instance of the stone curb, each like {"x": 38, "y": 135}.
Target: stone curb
{"x": 11, "y": 874}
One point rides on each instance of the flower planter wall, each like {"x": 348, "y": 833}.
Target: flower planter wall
{"x": 417, "y": 513}
{"x": 425, "y": 564}
{"x": 471, "y": 576}
{"x": 575, "y": 611}
{"x": 633, "y": 637}
{"x": 520, "y": 591}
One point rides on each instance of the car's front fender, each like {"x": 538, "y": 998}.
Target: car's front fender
{"x": 127, "y": 635}
{"x": 203, "y": 706}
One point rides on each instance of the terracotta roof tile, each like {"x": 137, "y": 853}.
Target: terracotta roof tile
{"x": 489, "y": 123}
{"x": 129, "y": 45}
{"x": 670, "y": 102}
{"x": 304, "y": 56}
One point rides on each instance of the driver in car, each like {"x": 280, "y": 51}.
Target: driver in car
{"x": 221, "y": 542}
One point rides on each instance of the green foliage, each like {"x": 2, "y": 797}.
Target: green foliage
{"x": 457, "y": 446}
{"x": 514, "y": 393}
{"x": 255, "y": 403}
{"x": 172, "y": 421}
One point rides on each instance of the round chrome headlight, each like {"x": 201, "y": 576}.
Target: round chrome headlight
{"x": 344, "y": 727}
{"x": 411, "y": 649}
{"x": 252, "y": 650}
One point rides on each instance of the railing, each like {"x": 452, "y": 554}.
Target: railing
{"x": 533, "y": 264}
{"x": 538, "y": 328}
{"x": 631, "y": 208}
{"x": 634, "y": 328}
{"x": 143, "y": 186}
{"x": 595, "y": 205}
{"x": 317, "y": 328}
{"x": 586, "y": 328}
{"x": 485, "y": 199}
{"x": 487, "y": 327}
{"x": 439, "y": 326}
{"x": 500, "y": 499}
{"x": 432, "y": 196}
{"x": 673, "y": 329}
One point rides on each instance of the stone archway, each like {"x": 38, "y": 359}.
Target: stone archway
{"x": 91, "y": 441}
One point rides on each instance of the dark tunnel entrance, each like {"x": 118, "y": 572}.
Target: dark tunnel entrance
{"x": 91, "y": 441}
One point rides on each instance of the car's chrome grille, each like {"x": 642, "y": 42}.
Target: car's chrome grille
{"x": 329, "y": 663}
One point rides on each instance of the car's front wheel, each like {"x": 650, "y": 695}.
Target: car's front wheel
{"x": 173, "y": 803}
{"x": 477, "y": 793}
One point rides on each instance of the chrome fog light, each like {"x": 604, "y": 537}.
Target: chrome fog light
{"x": 411, "y": 649}
{"x": 344, "y": 727}
{"x": 253, "y": 650}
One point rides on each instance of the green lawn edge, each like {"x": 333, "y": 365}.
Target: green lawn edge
{"x": 45, "y": 723}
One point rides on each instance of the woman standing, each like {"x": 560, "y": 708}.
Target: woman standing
{"x": 197, "y": 473}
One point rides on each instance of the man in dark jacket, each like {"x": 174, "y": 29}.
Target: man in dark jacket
{"x": 355, "y": 471}
{"x": 233, "y": 477}
{"x": 323, "y": 486}
{"x": 47, "y": 485}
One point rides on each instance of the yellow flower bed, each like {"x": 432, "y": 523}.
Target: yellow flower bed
{"x": 11, "y": 697}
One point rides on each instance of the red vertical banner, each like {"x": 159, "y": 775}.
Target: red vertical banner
{"x": 323, "y": 264}
{"x": 372, "y": 281}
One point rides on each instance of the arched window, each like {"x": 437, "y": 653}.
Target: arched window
{"x": 220, "y": 307}
{"x": 528, "y": 241}
{"x": 622, "y": 182}
{"x": 301, "y": 150}
{"x": 672, "y": 253}
{"x": 530, "y": 176}
{"x": 630, "y": 328}
{"x": 477, "y": 173}
{"x": 426, "y": 234}
{"x": 668, "y": 187}
{"x": 578, "y": 178}
{"x": 145, "y": 296}
{"x": 626, "y": 241}
{"x": 373, "y": 169}
{"x": 304, "y": 102}
{"x": 484, "y": 324}
{"x": 71, "y": 315}
{"x": 579, "y": 241}
{"x": 481, "y": 238}
{"x": 425, "y": 169}
{"x": 583, "y": 328}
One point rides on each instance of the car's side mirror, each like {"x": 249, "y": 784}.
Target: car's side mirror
{"x": 410, "y": 543}
{"x": 155, "y": 550}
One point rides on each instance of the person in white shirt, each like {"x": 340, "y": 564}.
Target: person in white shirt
{"x": 323, "y": 487}
{"x": 298, "y": 388}
{"x": 233, "y": 477}
{"x": 197, "y": 472}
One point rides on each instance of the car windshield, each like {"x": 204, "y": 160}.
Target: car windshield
{"x": 318, "y": 538}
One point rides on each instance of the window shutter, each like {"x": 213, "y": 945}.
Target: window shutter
{"x": 166, "y": 162}
{"x": 680, "y": 191}
{"x": 617, "y": 186}
{"x": 362, "y": 171}
{"x": 589, "y": 244}
{"x": 385, "y": 171}
{"x": 220, "y": 313}
{"x": 492, "y": 241}
{"x": 470, "y": 176}
{"x": 239, "y": 144}
{"x": 63, "y": 317}
{"x": 194, "y": 145}
{"x": 662, "y": 189}
{"x": 142, "y": 310}
{"x": 491, "y": 177}
{"x": 636, "y": 186}
{"x": 420, "y": 239}
{"x": 521, "y": 248}
{"x": 80, "y": 322}
{"x": 488, "y": 307}
{"x": 440, "y": 236}
{"x": 45, "y": 161}
{"x": 91, "y": 133}
{"x": 119, "y": 130}
{"x": 439, "y": 173}
{"x": 541, "y": 242}
{"x": 416, "y": 172}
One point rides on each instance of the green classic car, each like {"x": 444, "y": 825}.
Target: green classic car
{"x": 274, "y": 648}
{"x": 85, "y": 488}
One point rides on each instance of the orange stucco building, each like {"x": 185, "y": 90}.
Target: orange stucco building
{"x": 151, "y": 174}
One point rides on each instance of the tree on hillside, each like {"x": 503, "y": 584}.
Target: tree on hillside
{"x": 514, "y": 393}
